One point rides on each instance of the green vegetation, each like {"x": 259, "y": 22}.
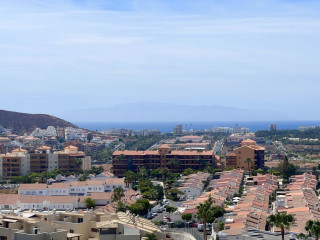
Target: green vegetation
{"x": 286, "y": 169}
{"x": 220, "y": 226}
{"x": 36, "y": 177}
{"x": 150, "y": 191}
{"x": 130, "y": 177}
{"x": 186, "y": 217}
{"x": 151, "y": 236}
{"x": 208, "y": 213}
{"x": 228, "y": 168}
{"x": 90, "y": 203}
{"x": 121, "y": 206}
{"x": 170, "y": 209}
{"x": 141, "y": 142}
{"x": 279, "y": 134}
{"x": 188, "y": 171}
{"x": 103, "y": 155}
{"x": 281, "y": 220}
{"x": 118, "y": 193}
{"x": 313, "y": 228}
{"x": 173, "y": 194}
{"x": 140, "y": 207}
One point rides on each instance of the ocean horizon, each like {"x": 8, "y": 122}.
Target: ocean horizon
{"x": 167, "y": 127}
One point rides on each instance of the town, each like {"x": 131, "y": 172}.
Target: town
{"x": 223, "y": 183}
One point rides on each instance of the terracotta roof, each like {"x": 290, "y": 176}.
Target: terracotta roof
{"x": 32, "y": 186}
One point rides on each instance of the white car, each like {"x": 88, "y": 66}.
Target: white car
{"x": 163, "y": 228}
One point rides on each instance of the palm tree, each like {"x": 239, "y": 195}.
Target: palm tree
{"x": 282, "y": 221}
{"x": 143, "y": 172}
{"x": 313, "y": 227}
{"x": 129, "y": 178}
{"x": 249, "y": 161}
{"x": 90, "y": 203}
{"x": 205, "y": 212}
{"x": 118, "y": 193}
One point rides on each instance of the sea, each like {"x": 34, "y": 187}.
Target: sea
{"x": 167, "y": 127}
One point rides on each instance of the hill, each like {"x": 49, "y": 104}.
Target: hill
{"x": 24, "y": 122}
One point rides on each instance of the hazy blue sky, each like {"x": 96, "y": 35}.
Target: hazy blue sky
{"x": 57, "y": 56}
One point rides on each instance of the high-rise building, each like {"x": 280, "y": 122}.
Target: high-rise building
{"x": 273, "y": 127}
{"x": 178, "y": 129}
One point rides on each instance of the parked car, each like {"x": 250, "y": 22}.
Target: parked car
{"x": 163, "y": 228}
{"x": 159, "y": 210}
{"x": 180, "y": 224}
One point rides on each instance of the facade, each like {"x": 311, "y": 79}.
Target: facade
{"x": 231, "y": 160}
{"x": 248, "y": 149}
{"x": 19, "y": 162}
{"x": 73, "y": 188}
{"x": 177, "y": 161}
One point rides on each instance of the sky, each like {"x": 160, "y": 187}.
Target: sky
{"x": 58, "y": 56}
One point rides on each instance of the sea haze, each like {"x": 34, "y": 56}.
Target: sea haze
{"x": 168, "y": 126}
{"x": 167, "y": 112}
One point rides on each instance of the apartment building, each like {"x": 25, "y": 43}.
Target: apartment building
{"x": 19, "y": 162}
{"x": 248, "y": 149}
{"x": 75, "y": 225}
{"x": 122, "y": 161}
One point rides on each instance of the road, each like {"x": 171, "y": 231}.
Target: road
{"x": 218, "y": 145}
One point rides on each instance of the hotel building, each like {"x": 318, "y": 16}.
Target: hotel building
{"x": 177, "y": 161}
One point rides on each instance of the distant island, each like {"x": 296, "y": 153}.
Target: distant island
{"x": 21, "y": 123}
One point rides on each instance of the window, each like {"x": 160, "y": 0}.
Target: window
{"x": 80, "y": 220}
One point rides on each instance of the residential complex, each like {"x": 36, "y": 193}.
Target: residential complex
{"x": 72, "y": 188}
{"x": 248, "y": 149}
{"x": 19, "y": 162}
{"x": 75, "y": 225}
{"x": 177, "y": 161}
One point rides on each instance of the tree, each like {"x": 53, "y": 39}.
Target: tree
{"x": 187, "y": 172}
{"x": 170, "y": 209}
{"x": 206, "y": 213}
{"x": 129, "y": 178}
{"x": 287, "y": 169}
{"x": 282, "y": 221}
{"x": 313, "y": 227}
{"x": 118, "y": 193}
{"x": 187, "y": 217}
{"x": 121, "y": 207}
{"x": 173, "y": 194}
{"x": 302, "y": 236}
{"x": 140, "y": 207}
{"x": 248, "y": 161}
{"x": 151, "y": 236}
{"x": 143, "y": 172}
{"x": 90, "y": 203}
{"x": 220, "y": 226}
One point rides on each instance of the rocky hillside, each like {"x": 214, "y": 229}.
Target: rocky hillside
{"x": 26, "y": 123}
